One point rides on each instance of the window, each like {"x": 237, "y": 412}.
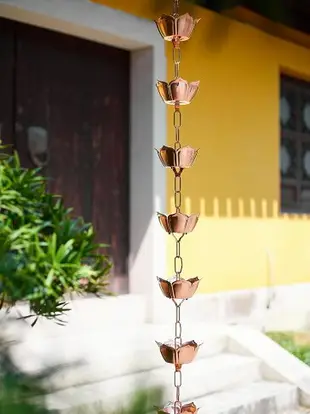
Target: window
{"x": 295, "y": 145}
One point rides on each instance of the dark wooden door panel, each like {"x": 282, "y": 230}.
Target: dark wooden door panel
{"x": 6, "y": 81}
{"x": 78, "y": 92}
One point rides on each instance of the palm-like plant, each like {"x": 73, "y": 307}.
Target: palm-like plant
{"x": 44, "y": 251}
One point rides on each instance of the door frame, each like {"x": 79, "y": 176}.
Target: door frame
{"x": 84, "y": 19}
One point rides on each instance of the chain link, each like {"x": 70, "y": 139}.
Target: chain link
{"x": 177, "y": 123}
{"x": 177, "y": 192}
{"x": 176, "y": 5}
{"x": 177, "y": 378}
{"x": 176, "y": 58}
{"x": 177, "y": 118}
{"x": 178, "y": 261}
{"x": 177, "y": 384}
{"x": 178, "y": 327}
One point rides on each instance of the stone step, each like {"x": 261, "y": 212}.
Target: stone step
{"x": 101, "y": 355}
{"x": 256, "y": 398}
{"x": 204, "y": 376}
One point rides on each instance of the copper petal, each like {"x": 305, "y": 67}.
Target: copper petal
{"x": 164, "y": 222}
{"x": 187, "y": 352}
{"x": 178, "y": 222}
{"x": 167, "y": 156}
{"x": 181, "y": 289}
{"x": 167, "y": 352}
{"x": 191, "y": 223}
{"x": 189, "y": 408}
{"x": 184, "y": 289}
{"x": 194, "y": 284}
{"x": 179, "y": 90}
{"x": 192, "y": 90}
{"x": 164, "y": 91}
{"x": 166, "y": 287}
{"x": 185, "y": 157}
{"x": 166, "y": 26}
{"x": 186, "y": 25}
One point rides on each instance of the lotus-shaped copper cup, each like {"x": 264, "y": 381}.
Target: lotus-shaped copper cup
{"x": 178, "y": 222}
{"x": 178, "y": 91}
{"x": 189, "y": 408}
{"x": 178, "y": 355}
{"x": 184, "y": 409}
{"x": 176, "y": 29}
{"x": 179, "y": 289}
{"x": 177, "y": 158}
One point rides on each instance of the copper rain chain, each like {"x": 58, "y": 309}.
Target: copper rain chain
{"x": 178, "y": 92}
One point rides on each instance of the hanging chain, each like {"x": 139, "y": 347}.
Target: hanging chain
{"x": 178, "y": 261}
{"x": 178, "y": 267}
{"x": 176, "y": 31}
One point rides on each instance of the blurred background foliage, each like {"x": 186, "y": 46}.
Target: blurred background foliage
{"x": 45, "y": 252}
{"x": 296, "y": 343}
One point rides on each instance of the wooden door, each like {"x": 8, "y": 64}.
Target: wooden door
{"x": 7, "y": 81}
{"x": 77, "y": 93}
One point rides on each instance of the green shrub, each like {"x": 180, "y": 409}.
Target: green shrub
{"x": 44, "y": 251}
{"x": 287, "y": 341}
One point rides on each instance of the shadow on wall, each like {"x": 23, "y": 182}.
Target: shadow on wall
{"x": 24, "y": 392}
{"x": 142, "y": 402}
{"x": 21, "y": 391}
{"x": 230, "y": 246}
{"x": 226, "y": 207}
{"x": 17, "y": 388}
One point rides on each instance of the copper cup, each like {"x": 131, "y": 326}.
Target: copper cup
{"x": 184, "y": 409}
{"x": 178, "y": 91}
{"x": 179, "y": 289}
{"x": 176, "y": 29}
{"x": 180, "y": 354}
{"x": 178, "y": 222}
{"x": 177, "y": 158}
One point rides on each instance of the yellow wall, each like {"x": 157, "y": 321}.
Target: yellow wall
{"x": 235, "y": 183}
